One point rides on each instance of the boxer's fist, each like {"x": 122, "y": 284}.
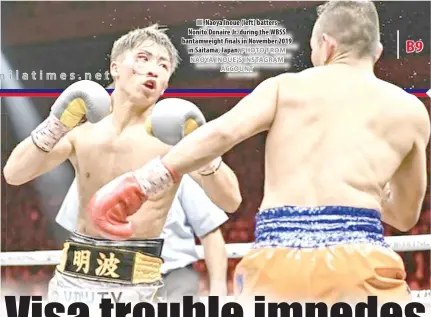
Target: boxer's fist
{"x": 172, "y": 119}
{"x": 81, "y": 99}
{"x": 110, "y": 206}
{"x": 113, "y": 203}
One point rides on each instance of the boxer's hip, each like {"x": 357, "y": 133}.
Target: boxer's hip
{"x": 90, "y": 267}
{"x": 324, "y": 253}
{"x": 68, "y": 289}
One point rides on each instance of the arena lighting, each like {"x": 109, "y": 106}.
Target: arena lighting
{"x": 23, "y": 117}
{"x": 21, "y": 111}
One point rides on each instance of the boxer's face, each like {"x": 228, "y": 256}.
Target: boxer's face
{"x": 143, "y": 73}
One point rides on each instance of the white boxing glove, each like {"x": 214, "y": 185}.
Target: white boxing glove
{"x": 174, "y": 118}
{"x": 84, "y": 98}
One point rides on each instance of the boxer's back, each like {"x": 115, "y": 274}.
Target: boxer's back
{"x": 337, "y": 138}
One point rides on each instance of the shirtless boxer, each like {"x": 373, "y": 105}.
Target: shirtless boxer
{"x": 142, "y": 63}
{"x": 337, "y": 135}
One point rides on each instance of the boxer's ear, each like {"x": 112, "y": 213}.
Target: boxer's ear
{"x": 114, "y": 70}
{"x": 164, "y": 89}
{"x": 329, "y": 47}
{"x": 379, "y": 52}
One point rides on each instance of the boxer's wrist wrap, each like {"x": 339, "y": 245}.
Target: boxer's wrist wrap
{"x": 155, "y": 178}
{"x": 211, "y": 168}
{"x": 48, "y": 133}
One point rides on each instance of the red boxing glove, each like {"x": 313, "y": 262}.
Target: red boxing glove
{"x": 124, "y": 196}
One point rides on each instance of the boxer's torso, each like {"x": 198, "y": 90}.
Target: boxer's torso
{"x": 337, "y": 138}
{"x": 101, "y": 154}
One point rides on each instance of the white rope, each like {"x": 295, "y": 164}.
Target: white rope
{"x": 234, "y": 250}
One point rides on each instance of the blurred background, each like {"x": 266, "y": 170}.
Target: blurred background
{"x": 78, "y": 36}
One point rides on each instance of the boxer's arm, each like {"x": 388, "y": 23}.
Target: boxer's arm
{"x": 50, "y": 143}
{"x": 408, "y": 184}
{"x": 222, "y": 187}
{"x": 216, "y": 260}
{"x": 252, "y": 115}
{"x": 27, "y": 161}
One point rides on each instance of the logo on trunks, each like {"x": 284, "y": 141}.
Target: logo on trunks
{"x": 107, "y": 265}
{"x": 103, "y": 264}
{"x": 82, "y": 260}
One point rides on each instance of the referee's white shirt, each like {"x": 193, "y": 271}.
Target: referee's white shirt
{"x": 192, "y": 214}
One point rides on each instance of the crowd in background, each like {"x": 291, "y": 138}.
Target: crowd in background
{"x": 25, "y": 227}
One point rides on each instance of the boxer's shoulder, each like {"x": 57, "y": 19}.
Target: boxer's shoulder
{"x": 297, "y": 80}
{"x": 83, "y": 130}
{"x": 401, "y": 102}
{"x": 291, "y": 87}
{"x": 78, "y": 132}
{"x": 405, "y": 113}
{"x": 285, "y": 77}
{"x": 412, "y": 104}
{"x": 420, "y": 117}
{"x": 88, "y": 135}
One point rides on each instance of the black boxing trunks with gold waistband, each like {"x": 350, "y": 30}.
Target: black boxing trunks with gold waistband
{"x": 126, "y": 262}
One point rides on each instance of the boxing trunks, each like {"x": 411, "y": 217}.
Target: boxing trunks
{"x": 327, "y": 254}
{"x": 123, "y": 271}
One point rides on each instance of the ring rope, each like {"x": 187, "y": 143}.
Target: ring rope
{"x": 234, "y": 250}
{"x": 421, "y": 242}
